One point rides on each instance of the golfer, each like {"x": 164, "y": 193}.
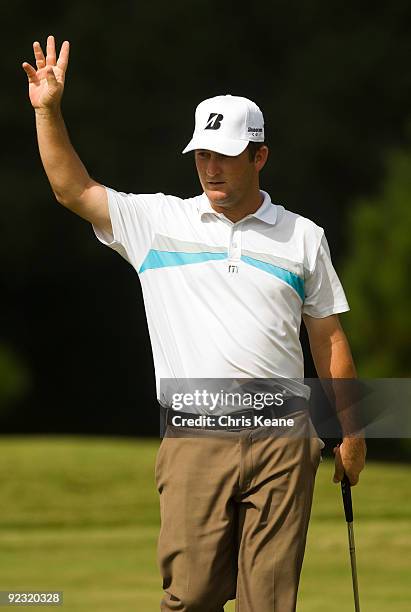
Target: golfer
{"x": 227, "y": 277}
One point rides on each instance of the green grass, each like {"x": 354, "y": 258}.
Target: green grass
{"x": 81, "y": 515}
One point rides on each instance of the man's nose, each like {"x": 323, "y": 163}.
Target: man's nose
{"x": 213, "y": 167}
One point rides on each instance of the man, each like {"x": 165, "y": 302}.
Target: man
{"x": 227, "y": 277}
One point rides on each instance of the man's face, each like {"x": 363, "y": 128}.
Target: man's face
{"x": 226, "y": 180}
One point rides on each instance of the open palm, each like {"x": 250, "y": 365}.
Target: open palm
{"x": 46, "y": 84}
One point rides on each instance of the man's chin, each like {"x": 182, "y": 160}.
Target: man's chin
{"x": 218, "y": 197}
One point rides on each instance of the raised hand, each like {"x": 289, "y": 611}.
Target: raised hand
{"x": 46, "y": 84}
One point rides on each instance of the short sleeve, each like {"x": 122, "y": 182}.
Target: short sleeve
{"x": 324, "y": 294}
{"x": 131, "y": 218}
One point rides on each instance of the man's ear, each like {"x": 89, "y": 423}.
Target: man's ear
{"x": 261, "y": 157}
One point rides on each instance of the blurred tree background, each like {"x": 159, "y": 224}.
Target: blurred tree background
{"x": 334, "y": 83}
{"x": 376, "y": 274}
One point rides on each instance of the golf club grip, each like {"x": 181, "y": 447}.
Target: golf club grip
{"x": 346, "y": 495}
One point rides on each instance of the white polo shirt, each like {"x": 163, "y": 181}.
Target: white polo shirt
{"x": 224, "y": 299}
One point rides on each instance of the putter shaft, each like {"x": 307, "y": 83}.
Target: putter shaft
{"x": 350, "y": 528}
{"x": 349, "y": 517}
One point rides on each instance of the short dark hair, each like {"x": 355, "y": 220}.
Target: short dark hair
{"x": 253, "y": 147}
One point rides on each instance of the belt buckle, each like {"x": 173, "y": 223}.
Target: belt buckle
{"x": 244, "y": 413}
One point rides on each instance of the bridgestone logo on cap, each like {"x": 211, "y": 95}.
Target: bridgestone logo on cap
{"x": 214, "y": 121}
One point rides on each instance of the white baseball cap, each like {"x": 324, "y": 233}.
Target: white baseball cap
{"x": 226, "y": 124}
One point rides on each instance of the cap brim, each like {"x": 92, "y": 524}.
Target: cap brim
{"x": 210, "y": 142}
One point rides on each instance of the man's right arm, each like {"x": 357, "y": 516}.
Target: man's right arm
{"x": 68, "y": 177}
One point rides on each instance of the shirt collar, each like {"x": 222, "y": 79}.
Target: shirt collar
{"x": 267, "y": 211}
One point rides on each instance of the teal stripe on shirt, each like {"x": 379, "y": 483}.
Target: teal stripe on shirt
{"x": 295, "y": 281}
{"x": 164, "y": 259}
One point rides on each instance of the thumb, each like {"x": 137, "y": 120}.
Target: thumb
{"x": 339, "y": 468}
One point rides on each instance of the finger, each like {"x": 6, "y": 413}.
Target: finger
{"x": 51, "y": 51}
{"x": 31, "y": 73}
{"x": 51, "y": 77}
{"x": 39, "y": 55}
{"x": 339, "y": 468}
{"x": 353, "y": 478}
{"x": 64, "y": 56}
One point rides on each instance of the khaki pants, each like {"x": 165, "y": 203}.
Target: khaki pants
{"x": 235, "y": 509}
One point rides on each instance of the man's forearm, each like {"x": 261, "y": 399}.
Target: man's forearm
{"x": 67, "y": 175}
{"x": 333, "y": 360}
{"x": 333, "y": 357}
